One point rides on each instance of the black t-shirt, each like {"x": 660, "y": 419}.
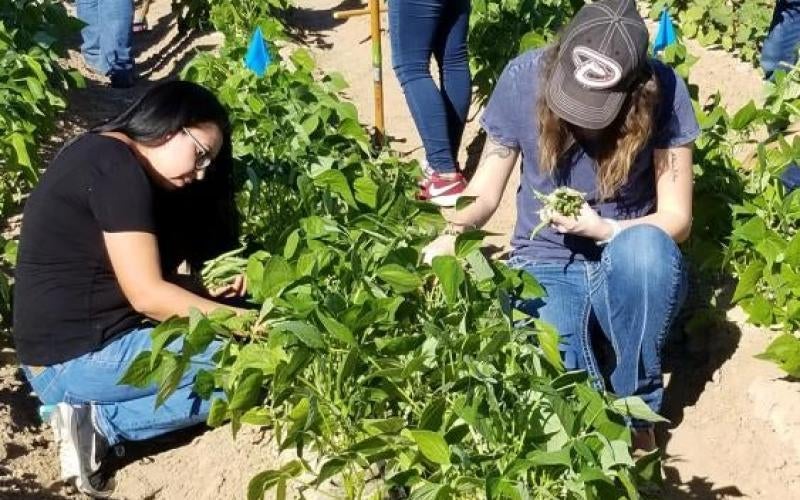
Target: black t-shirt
{"x": 67, "y": 300}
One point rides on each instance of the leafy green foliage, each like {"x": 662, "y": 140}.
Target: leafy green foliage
{"x": 521, "y": 24}
{"x": 358, "y": 351}
{"x": 735, "y": 25}
{"x": 31, "y": 88}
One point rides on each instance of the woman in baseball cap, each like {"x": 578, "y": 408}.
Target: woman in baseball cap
{"x": 593, "y": 113}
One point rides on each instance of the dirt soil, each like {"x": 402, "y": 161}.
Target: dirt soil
{"x": 735, "y": 422}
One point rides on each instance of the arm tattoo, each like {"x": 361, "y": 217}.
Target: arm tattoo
{"x": 494, "y": 148}
{"x": 673, "y": 165}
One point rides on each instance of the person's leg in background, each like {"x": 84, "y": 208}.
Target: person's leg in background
{"x": 88, "y": 12}
{"x": 637, "y": 290}
{"x": 452, "y": 56}
{"x": 116, "y": 36}
{"x": 779, "y": 50}
{"x": 413, "y": 28}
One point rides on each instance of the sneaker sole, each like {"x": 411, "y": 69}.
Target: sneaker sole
{"x": 446, "y": 200}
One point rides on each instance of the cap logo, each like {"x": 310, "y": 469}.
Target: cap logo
{"x": 594, "y": 70}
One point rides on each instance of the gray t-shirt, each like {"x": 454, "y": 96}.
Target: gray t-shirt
{"x": 510, "y": 119}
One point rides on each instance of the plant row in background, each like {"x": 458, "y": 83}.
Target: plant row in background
{"x": 32, "y": 85}
{"x": 738, "y": 26}
{"x": 745, "y": 219}
{"x": 360, "y": 355}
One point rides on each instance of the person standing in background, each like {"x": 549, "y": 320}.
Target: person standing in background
{"x": 780, "y": 47}
{"x": 417, "y": 29}
{"x": 107, "y": 38}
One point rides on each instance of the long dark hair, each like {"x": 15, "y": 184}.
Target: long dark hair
{"x": 199, "y": 221}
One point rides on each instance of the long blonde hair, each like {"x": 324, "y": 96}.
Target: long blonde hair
{"x": 634, "y": 127}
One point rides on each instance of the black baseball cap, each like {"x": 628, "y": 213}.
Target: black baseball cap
{"x": 603, "y": 52}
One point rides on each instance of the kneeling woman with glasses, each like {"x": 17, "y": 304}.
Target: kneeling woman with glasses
{"x": 115, "y": 214}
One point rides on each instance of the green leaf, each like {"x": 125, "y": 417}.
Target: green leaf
{"x": 217, "y": 413}
{"x": 451, "y": 276}
{"x": 310, "y": 124}
{"x": 335, "y": 181}
{"x": 634, "y": 407}
{"x": 433, "y": 415}
{"x": 615, "y": 453}
{"x": 748, "y": 281}
{"x": 305, "y": 333}
{"x": 430, "y": 491}
{"x": 761, "y": 310}
{"x": 464, "y": 201}
{"x": 384, "y": 426}
{"x": 164, "y": 334}
{"x": 17, "y": 141}
{"x": 266, "y": 480}
{"x": 366, "y": 191}
{"x": 399, "y": 278}
{"x": 793, "y": 251}
{"x": 248, "y": 392}
{"x": 468, "y": 241}
{"x": 784, "y": 351}
{"x": 479, "y": 266}
{"x": 548, "y": 341}
{"x": 556, "y": 457}
{"x": 277, "y": 274}
{"x": 432, "y": 446}
{"x": 171, "y": 373}
{"x": 330, "y": 469}
{"x": 338, "y": 330}
{"x": 397, "y": 346}
{"x": 141, "y": 372}
{"x": 744, "y": 116}
{"x": 292, "y": 242}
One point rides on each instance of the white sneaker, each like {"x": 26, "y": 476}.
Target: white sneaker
{"x": 81, "y": 448}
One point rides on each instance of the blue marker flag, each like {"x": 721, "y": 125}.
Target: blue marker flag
{"x": 257, "y": 58}
{"x": 666, "y": 32}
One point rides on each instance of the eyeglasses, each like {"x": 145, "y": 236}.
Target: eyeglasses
{"x": 202, "y": 155}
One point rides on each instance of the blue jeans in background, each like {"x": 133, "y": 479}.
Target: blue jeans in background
{"x": 419, "y": 29}
{"x": 123, "y": 412}
{"x": 107, "y": 35}
{"x": 783, "y": 38}
{"x": 634, "y": 293}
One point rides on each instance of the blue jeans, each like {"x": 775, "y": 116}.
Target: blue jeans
{"x": 123, "y": 412}
{"x": 783, "y": 38}
{"x": 107, "y": 35}
{"x": 419, "y": 28}
{"x": 633, "y": 294}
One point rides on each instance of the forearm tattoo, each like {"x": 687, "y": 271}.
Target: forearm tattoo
{"x": 673, "y": 165}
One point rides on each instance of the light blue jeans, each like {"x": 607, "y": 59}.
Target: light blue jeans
{"x": 107, "y": 35}
{"x": 124, "y": 412}
{"x": 634, "y": 291}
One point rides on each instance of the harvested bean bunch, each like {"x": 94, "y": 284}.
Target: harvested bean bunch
{"x": 563, "y": 201}
{"x": 222, "y": 270}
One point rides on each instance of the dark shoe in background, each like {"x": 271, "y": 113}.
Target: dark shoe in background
{"x": 122, "y": 79}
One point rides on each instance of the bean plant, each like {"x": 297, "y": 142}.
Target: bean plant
{"x": 362, "y": 359}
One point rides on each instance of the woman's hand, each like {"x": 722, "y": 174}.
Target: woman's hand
{"x": 237, "y": 288}
{"x": 587, "y": 224}
{"x": 443, "y": 245}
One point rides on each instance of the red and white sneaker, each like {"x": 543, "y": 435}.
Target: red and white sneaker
{"x": 442, "y": 190}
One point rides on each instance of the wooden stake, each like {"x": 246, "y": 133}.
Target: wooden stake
{"x": 377, "y": 69}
